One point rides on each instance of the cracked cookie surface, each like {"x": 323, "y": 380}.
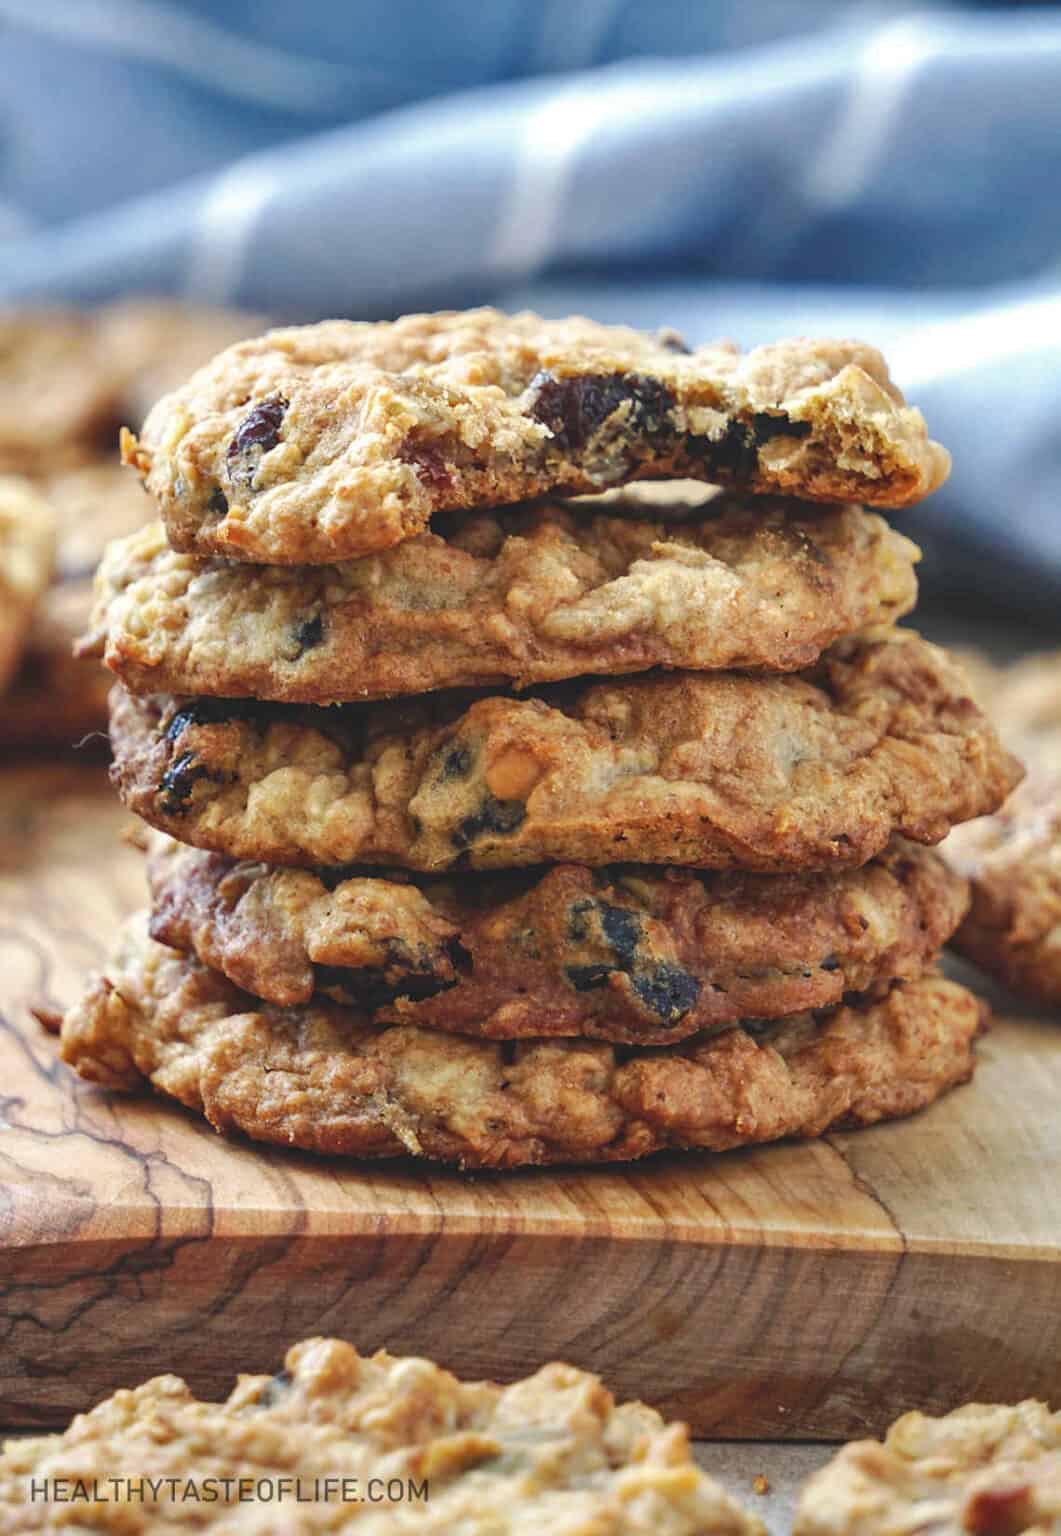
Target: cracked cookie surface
{"x": 1013, "y": 859}
{"x": 325, "y": 1079}
{"x": 553, "y": 1452}
{"x": 813, "y": 770}
{"x": 983, "y": 1470}
{"x": 27, "y": 555}
{"x": 528, "y": 595}
{"x": 631, "y": 953}
{"x": 320, "y": 443}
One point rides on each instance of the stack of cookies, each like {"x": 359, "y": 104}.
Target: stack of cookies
{"x": 497, "y": 829}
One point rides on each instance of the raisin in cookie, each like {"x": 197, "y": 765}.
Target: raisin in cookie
{"x": 984, "y": 1470}
{"x": 325, "y": 442}
{"x": 324, "y": 1078}
{"x": 815, "y": 770}
{"x": 628, "y": 953}
{"x": 528, "y": 595}
{"x": 27, "y": 555}
{"x": 1014, "y": 857}
{"x": 551, "y": 1453}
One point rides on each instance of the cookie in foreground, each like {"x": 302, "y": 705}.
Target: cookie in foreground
{"x": 424, "y": 1450}
{"x": 983, "y": 1470}
{"x": 1013, "y": 859}
{"x": 628, "y": 953}
{"x": 325, "y": 442}
{"x": 524, "y": 594}
{"x": 815, "y": 770}
{"x": 325, "y": 1079}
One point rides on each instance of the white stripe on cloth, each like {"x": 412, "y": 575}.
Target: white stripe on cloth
{"x": 211, "y": 55}
{"x": 553, "y": 136}
{"x": 968, "y": 340}
{"x": 228, "y": 215}
{"x": 881, "y": 77}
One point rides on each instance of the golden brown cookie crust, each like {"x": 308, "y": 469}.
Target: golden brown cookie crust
{"x": 717, "y": 770}
{"x": 1013, "y": 858}
{"x": 984, "y": 1470}
{"x": 324, "y": 1079}
{"x": 531, "y": 596}
{"x": 552, "y": 1452}
{"x": 631, "y": 953}
{"x": 326, "y": 442}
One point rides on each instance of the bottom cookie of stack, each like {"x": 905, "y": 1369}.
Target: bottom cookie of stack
{"x": 324, "y": 1078}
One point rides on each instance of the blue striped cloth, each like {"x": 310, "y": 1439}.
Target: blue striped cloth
{"x": 730, "y": 168}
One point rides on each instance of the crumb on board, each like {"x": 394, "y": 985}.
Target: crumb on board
{"x": 761, "y": 1484}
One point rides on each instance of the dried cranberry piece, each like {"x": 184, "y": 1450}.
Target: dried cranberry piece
{"x": 575, "y": 409}
{"x": 429, "y": 463}
{"x": 255, "y": 435}
{"x": 736, "y": 452}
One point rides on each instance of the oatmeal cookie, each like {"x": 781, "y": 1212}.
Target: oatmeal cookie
{"x": 629, "y": 953}
{"x": 984, "y": 1470}
{"x": 324, "y": 1078}
{"x": 27, "y": 555}
{"x": 525, "y": 595}
{"x": 153, "y": 344}
{"x": 54, "y": 699}
{"x": 325, "y": 442}
{"x": 814, "y": 770}
{"x": 69, "y": 378}
{"x": 1013, "y": 930}
{"x": 60, "y": 407}
{"x": 552, "y": 1453}
{"x": 93, "y": 504}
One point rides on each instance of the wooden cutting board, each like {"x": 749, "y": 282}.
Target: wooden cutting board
{"x": 806, "y": 1291}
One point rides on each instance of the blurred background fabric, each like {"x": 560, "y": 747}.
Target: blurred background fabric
{"x": 740, "y": 168}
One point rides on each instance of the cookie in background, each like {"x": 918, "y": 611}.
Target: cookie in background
{"x": 1013, "y": 858}
{"x": 70, "y": 379}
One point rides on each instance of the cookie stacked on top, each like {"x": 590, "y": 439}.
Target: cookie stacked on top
{"x": 500, "y": 829}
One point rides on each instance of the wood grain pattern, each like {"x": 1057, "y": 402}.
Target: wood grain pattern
{"x": 804, "y": 1291}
